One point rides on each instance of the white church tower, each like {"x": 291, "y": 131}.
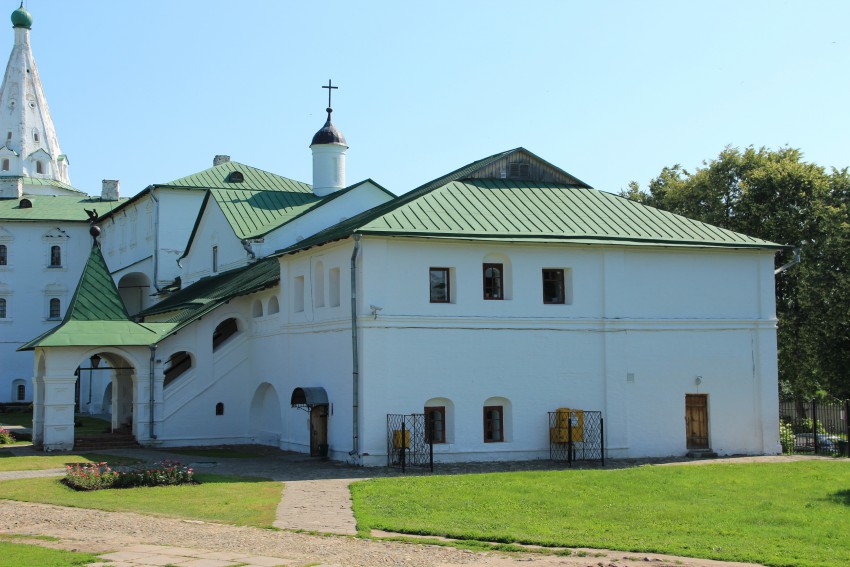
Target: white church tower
{"x": 30, "y": 159}
{"x": 328, "y": 147}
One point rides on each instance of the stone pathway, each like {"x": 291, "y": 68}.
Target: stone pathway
{"x": 147, "y": 555}
{"x": 317, "y": 505}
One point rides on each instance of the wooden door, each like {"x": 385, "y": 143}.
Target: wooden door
{"x": 318, "y": 430}
{"x": 696, "y": 420}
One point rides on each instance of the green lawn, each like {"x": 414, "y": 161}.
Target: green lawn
{"x": 22, "y": 419}
{"x": 779, "y": 514}
{"x": 88, "y": 425}
{"x": 9, "y": 462}
{"x": 18, "y": 554}
{"x": 225, "y": 499}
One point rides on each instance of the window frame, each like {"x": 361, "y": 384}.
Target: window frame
{"x": 54, "y": 301}
{"x": 429, "y": 411}
{"x": 448, "y": 282}
{"x": 562, "y": 296}
{"x": 21, "y": 392}
{"x": 55, "y": 260}
{"x": 499, "y": 286}
{"x": 488, "y": 424}
{"x": 4, "y": 255}
{"x": 4, "y": 308}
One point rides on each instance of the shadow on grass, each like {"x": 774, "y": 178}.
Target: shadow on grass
{"x": 842, "y": 497}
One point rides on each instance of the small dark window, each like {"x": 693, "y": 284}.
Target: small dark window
{"x": 26, "y": 204}
{"x": 2, "y": 308}
{"x": 55, "y": 308}
{"x": 178, "y": 363}
{"x": 440, "y": 291}
{"x": 553, "y": 286}
{"x": 22, "y": 392}
{"x": 518, "y": 170}
{"x": 493, "y": 281}
{"x": 224, "y": 331}
{"x": 235, "y": 177}
{"x": 4, "y": 258}
{"x": 39, "y": 167}
{"x": 6, "y": 165}
{"x": 219, "y": 408}
{"x": 215, "y": 259}
{"x": 493, "y": 424}
{"x": 55, "y": 257}
{"x": 435, "y": 420}
{"x": 9, "y": 136}
{"x": 35, "y": 134}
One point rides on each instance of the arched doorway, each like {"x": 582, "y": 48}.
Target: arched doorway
{"x": 134, "y": 289}
{"x": 315, "y": 401}
{"x": 265, "y": 419}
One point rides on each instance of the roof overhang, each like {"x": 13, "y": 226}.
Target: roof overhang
{"x": 309, "y": 397}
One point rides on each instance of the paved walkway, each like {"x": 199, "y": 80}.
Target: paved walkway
{"x": 158, "y": 555}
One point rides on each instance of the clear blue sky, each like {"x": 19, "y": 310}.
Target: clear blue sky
{"x": 148, "y": 91}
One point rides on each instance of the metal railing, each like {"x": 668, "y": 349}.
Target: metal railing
{"x": 407, "y": 444}
{"x": 812, "y": 426}
{"x": 576, "y": 435}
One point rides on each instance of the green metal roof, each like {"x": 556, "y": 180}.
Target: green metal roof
{"x": 51, "y": 183}
{"x": 64, "y": 208}
{"x": 458, "y": 206}
{"x": 206, "y": 294}
{"x": 96, "y": 314}
{"x": 254, "y": 179}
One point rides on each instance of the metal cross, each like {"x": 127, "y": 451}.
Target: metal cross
{"x": 329, "y": 87}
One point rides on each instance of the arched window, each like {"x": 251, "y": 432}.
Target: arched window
{"x": 22, "y": 392}
{"x": 219, "y": 408}
{"x": 2, "y": 308}
{"x": 4, "y": 258}
{"x": 439, "y": 418}
{"x": 55, "y": 256}
{"x": 178, "y": 363}
{"x": 55, "y": 308}
{"x": 497, "y": 420}
{"x": 274, "y": 306}
{"x": 224, "y": 331}
{"x": 39, "y": 167}
{"x": 257, "y": 309}
{"x": 6, "y": 164}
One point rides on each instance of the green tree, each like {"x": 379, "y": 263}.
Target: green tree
{"x": 777, "y": 196}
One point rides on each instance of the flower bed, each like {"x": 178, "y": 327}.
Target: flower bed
{"x": 100, "y": 476}
{"x": 6, "y": 437}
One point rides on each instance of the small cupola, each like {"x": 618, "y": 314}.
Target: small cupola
{"x": 21, "y": 18}
{"x": 328, "y": 148}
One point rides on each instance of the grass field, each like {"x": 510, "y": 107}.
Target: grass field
{"x": 9, "y": 462}
{"x": 778, "y": 514}
{"x": 19, "y": 554}
{"x": 87, "y": 425}
{"x": 224, "y": 499}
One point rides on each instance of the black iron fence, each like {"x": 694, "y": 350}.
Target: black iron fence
{"x": 576, "y": 435}
{"x": 407, "y": 444}
{"x": 817, "y": 427}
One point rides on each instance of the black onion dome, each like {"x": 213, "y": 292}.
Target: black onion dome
{"x": 328, "y": 134}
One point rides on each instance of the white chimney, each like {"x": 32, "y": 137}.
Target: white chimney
{"x": 110, "y": 190}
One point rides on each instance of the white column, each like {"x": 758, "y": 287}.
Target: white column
{"x": 59, "y": 413}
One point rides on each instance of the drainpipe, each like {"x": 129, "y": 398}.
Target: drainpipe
{"x": 155, "y": 240}
{"x": 355, "y": 365}
{"x": 793, "y": 262}
{"x": 150, "y": 387}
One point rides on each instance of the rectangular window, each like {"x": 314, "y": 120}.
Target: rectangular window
{"x": 553, "y": 286}
{"x": 4, "y": 259}
{"x": 494, "y": 281}
{"x": 298, "y": 294}
{"x": 55, "y": 257}
{"x": 435, "y": 420}
{"x": 55, "y": 308}
{"x": 493, "y": 430}
{"x": 2, "y": 308}
{"x": 439, "y": 282}
{"x": 215, "y": 259}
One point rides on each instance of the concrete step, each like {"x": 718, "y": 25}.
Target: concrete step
{"x": 702, "y": 454}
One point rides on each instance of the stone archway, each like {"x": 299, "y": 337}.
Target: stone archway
{"x": 266, "y": 424}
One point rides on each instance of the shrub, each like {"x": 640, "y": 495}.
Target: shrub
{"x": 6, "y": 437}
{"x": 805, "y": 426}
{"x": 786, "y": 437}
{"x": 99, "y": 476}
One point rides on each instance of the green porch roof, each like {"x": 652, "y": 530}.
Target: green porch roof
{"x": 203, "y": 296}
{"x": 60, "y": 208}
{"x": 96, "y": 315}
{"x": 464, "y": 205}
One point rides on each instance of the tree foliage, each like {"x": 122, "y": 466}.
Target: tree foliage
{"x": 777, "y": 196}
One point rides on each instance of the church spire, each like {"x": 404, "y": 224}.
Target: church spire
{"x": 29, "y": 147}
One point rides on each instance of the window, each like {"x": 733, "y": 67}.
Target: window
{"x": 274, "y": 306}
{"x": 55, "y": 256}
{"x": 39, "y": 167}
{"x": 2, "y": 308}
{"x": 435, "y": 420}
{"x": 215, "y": 258}
{"x": 333, "y": 285}
{"x": 9, "y": 136}
{"x": 493, "y": 424}
{"x": 219, "y": 408}
{"x": 55, "y": 308}
{"x": 6, "y": 165}
{"x": 439, "y": 283}
{"x": 178, "y": 363}
{"x": 517, "y": 170}
{"x": 224, "y": 331}
{"x": 493, "y": 281}
{"x": 22, "y": 392}
{"x": 298, "y": 294}
{"x": 4, "y": 258}
{"x": 35, "y": 138}
{"x": 553, "y": 286}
